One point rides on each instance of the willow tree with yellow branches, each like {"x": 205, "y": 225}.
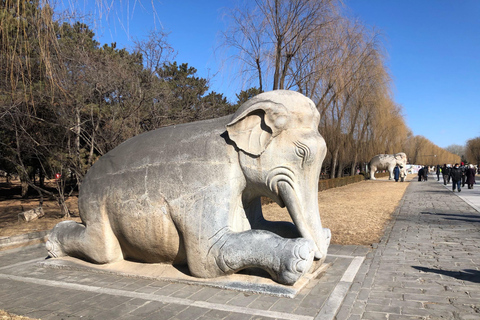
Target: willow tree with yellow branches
{"x": 338, "y": 62}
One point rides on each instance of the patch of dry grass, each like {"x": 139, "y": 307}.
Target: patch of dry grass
{"x": 356, "y": 214}
{"x": 9, "y": 210}
{"x": 9, "y": 316}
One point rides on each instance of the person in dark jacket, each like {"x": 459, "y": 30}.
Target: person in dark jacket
{"x": 438, "y": 170}
{"x": 456, "y": 175}
{"x": 420, "y": 174}
{"x": 446, "y": 174}
{"x": 463, "y": 167}
{"x": 425, "y": 173}
{"x": 470, "y": 174}
{"x": 396, "y": 173}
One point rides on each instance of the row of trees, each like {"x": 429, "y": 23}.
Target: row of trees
{"x": 309, "y": 46}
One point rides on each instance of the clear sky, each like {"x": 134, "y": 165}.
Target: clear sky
{"x": 433, "y": 52}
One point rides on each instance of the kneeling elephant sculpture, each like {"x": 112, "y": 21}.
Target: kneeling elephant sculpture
{"x": 191, "y": 193}
{"x": 387, "y": 162}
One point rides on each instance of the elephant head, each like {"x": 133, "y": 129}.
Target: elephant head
{"x": 281, "y": 154}
{"x": 401, "y": 160}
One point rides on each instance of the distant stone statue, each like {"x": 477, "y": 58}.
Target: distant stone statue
{"x": 190, "y": 194}
{"x": 388, "y": 162}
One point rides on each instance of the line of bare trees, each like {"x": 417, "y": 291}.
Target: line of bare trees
{"x": 309, "y": 46}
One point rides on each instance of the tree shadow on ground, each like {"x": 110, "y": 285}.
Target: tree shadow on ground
{"x": 437, "y": 191}
{"x": 456, "y": 217}
{"x": 465, "y": 275}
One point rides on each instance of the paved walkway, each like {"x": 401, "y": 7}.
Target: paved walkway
{"x": 428, "y": 264}
{"x": 426, "y": 267}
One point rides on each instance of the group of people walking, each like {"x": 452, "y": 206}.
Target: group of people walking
{"x": 460, "y": 175}
{"x": 423, "y": 174}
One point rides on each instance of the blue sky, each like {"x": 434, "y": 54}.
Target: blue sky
{"x": 433, "y": 52}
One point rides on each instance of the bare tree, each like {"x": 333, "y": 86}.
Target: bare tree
{"x": 270, "y": 34}
{"x": 473, "y": 151}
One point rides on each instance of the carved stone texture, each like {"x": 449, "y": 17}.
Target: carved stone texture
{"x": 31, "y": 215}
{"x": 388, "y": 162}
{"x": 191, "y": 194}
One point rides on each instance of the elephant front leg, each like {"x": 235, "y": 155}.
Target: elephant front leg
{"x": 286, "y": 260}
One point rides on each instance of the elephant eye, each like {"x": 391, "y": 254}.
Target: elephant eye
{"x": 302, "y": 151}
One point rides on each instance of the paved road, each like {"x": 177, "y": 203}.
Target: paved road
{"x": 427, "y": 266}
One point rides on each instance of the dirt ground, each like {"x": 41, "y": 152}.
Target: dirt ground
{"x": 356, "y": 214}
{"x": 11, "y": 204}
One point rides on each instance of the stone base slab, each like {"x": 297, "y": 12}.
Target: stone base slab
{"x": 252, "y": 281}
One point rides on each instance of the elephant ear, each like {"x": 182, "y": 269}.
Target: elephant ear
{"x": 253, "y": 128}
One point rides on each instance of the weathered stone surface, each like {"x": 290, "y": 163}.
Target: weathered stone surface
{"x": 31, "y": 215}
{"x": 387, "y": 162}
{"x": 191, "y": 194}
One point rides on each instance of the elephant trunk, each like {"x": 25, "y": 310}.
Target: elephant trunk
{"x": 303, "y": 208}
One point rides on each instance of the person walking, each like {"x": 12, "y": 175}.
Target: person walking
{"x": 456, "y": 175}
{"x": 420, "y": 174}
{"x": 403, "y": 174}
{"x": 425, "y": 173}
{"x": 464, "y": 170}
{"x": 470, "y": 174}
{"x": 438, "y": 171}
{"x": 396, "y": 173}
{"x": 446, "y": 174}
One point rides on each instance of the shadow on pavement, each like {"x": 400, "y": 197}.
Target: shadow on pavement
{"x": 458, "y": 217}
{"x": 465, "y": 275}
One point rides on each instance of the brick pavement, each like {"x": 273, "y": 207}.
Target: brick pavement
{"x": 426, "y": 267}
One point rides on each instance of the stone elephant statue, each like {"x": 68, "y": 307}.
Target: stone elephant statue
{"x": 190, "y": 194}
{"x": 388, "y": 162}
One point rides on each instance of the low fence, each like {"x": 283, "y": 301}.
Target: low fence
{"x": 338, "y": 182}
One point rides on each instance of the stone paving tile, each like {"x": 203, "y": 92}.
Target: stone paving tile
{"x": 242, "y": 299}
{"x": 147, "y": 309}
{"x": 188, "y": 314}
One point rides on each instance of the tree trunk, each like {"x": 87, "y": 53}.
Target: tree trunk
{"x": 340, "y": 169}
{"x": 333, "y": 165}
{"x": 24, "y": 184}
{"x": 63, "y": 206}
{"x": 41, "y": 179}
{"x": 259, "y": 68}
{"x": 354, "y": 164}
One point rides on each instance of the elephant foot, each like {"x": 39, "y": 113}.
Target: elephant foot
{"x": 295, "y": 260}
{"x": 53, "y": 248}
{"x": 54, "y": 244}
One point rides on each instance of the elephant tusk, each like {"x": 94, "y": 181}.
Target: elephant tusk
{"x": 292, "y": 203}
